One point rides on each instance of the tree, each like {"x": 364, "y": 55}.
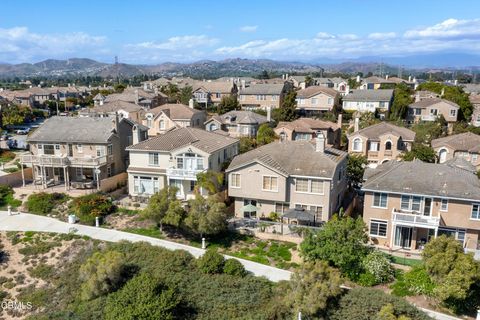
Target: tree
{"x": 402, "y": 99}
{"x": 211, "y": 262}
{"x": 210, "y": 180}
{"x": 312, "y": 287}
{"x": 356, "y": 164}
{"x": 288, "y": 109}
{"x": 264, "y": 75}
{"x": 228, "y": 103}
{"x": 159, "y": 203}
{"x": 341, "y": 242}
{"x": 234, "y": 267}
{"x": 206, "y": 216}
{"x": 388, "y": 313}
{"x": 119, "y": 87}
{"x": 184, "y": 95}
{"x": 247, "y": 144}
{"x": 420, "y": 152}
{"x": 143, "y": 297}
{"x": 308, "y": 81}
{"x": 175, "y": 214}
{"x": 265, "y": 134}
{"x": 425, "y": 132}
{"x": 15, "y": 115}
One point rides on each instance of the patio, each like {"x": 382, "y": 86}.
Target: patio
{"x": 29, "y": 188}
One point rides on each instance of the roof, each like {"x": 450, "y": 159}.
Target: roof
{"x": 375, "y": 79}
{"x": 474, "y": 98}
{"x": 74, "y": 130}
{"x": 177, "y": 138}
{"x": 298, "y": 78}
{"x": 307, "y": 125}
{"x": 460, "y": 142}
{"x": 99, "y": 96}
{"x": 314, "y": 90}
{"x": 241, "y": 117}
{"x": 175, "y": 111}
{"x": 417, "y": 177}
{"x": 369, "y": 95}
{"x": 214, "y": 86}
{"x": 264, "y": 88}
{"x": 424, "y": 103}
{"x": 382, "y": 128}
{"x": 299, "y": 214}
{"x": 283, "y": 157}
{"x": 114, "y": 106}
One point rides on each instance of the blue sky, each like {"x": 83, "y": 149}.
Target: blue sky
{"x": 156, "y": 31}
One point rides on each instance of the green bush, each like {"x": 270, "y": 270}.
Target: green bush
{"x": 6, "y": 196}
{"x": 377, "y": 264}
{"x": 42, "y": 271}
{"x": 43, "y": 203}
{"x": 415, "y": 282}
{"x": 234, "y": 267}
{"x": 211, "y": 262}
{"x": 90, "y": 206}
{"x": 367, "y": 279}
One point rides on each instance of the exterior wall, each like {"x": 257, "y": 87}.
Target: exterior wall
{"x": 442, "y": 107}
{"x": 366, "y": 106}
{"x": 333, "y": 136}
{"x": 473, "y": 158}
{"x": 112, "y": 183}
{"x": 250, "y": 101}
{"x": 377, "y": 157}
{"x": 15, "y": 179}
{"x": 476, "y": 115}
{"x": 322, "y": 102}
{"x": 196, "y": 121}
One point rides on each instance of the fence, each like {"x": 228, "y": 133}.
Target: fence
{"x": 15, "y": 179}
{"x": 113, "y": 183}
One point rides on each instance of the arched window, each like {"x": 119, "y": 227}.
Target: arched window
{"x": 213, "y": 127}
{"x": 388, "y": 145}
{"x": 357, "y": 144}
{"x": 442, "y": 155}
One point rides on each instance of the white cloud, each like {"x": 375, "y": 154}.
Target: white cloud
{"x": 450, "y": 28}
{"x": 177, "y": 43}
{"x": 382, "y": 36}
{"x": 248, "y": 28}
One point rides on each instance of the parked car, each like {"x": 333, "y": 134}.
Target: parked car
{"x": 23, "y": 131}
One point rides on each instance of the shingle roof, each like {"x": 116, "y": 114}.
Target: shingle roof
{"x": 214, "y": 86}
{"x": 460, "y": 142}
{"x": 379, "y": 129}
{"x": 176, "y": 111}
{"x": 114, "y": 106}
{"x": 424, "y": 103}
{"x": 369, "y": 95}
{"x": 284, "y": 158}
{"x": 314, "y": 90}
{"x": 264, "y": 88}
{"x": 241, "y": 117}
{"x": 308, "y": 125}
{"x": 474, "y": 98}
{"x": 375, "y": 79}
{"x": 74, "y": 130}
{"x": 177, "y": 138}
{"x": 417, "y": 177}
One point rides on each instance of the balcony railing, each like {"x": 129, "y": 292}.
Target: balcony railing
{"x": 187, "y": 174}
{"x": 428, "y": 117}
{"x": 53, "y": 160}
{"x": 415, "y": 219}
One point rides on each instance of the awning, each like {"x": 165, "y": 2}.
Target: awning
{"x": 300, "y": 214}
{"x": 249, "y": 208}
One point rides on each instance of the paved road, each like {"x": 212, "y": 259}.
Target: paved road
{"x": 30, "y": 222}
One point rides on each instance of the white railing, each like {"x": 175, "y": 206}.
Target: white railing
{"x": 428, "y": 117}
{"x": 53, "y": 160}
{"x": 415, "y": 219}
{"x": 183, "y": 173}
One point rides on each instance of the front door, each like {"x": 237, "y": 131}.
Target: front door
{"x": 403, "y": 237}
{"x": 427, "y": 206}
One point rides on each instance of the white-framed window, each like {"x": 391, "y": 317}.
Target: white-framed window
{"x": 235, "y": 181}
{"x": 418, "y": 111}
{"x": 301, "y": 206}
{"x": 270, "y": 183}
{"x": 79, "y": 148}
{"x": 474, "y": 157}
{"x": 162, "y": 124}
{"x": 110, "y": 149}
{"x": 378, "y": 228}
{"x": 301, "y": 101}
{"x": 444, "y": 205}
{"x": 261, "y": 97}
{"x": 374, "y": 146}
{"x": 318, "y": 210}
{"x": 40, "y": 146}
{"x": 153, "y": 159}
{"x": 314, "y": 101}
{"x": 433, "y": 112}
{"x": 453, "y": 113}
{"x": 302, "y": 136}
{"x": 57, "y": 147}
{"x": 275, "y": 97}
{"x": 79, "y": 172}
{"x": 149, "y": 122}
{"x": 380, "y": 200}
{"x": 316, "y": 186}
{"x": 281, "y": 207}
{"x": 100, "y": 151}
{"x": 330, "y": 101}
{"x": 242, "y": 97}
{"x": 357, "y": 144}
{"x": 475, "y": 211}
{"x": 301, "y": 185}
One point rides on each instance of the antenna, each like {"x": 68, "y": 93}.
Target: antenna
{"x": 116, "y": 59}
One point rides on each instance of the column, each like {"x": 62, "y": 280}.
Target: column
{"x": 436, "y": 232}
{"x": 44, "y": 180}
{"x": 23, "y": 175}
{"x": 65, "y": 178}
{"x": 67, "y": 169}
{"x": 392, "y": 235}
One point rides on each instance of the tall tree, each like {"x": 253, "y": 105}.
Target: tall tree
{"x": 402, "y": 98}
{"x": 228, "y": 103}
{"x": 421, "y": 152}
{"x": 356, "y": 165}
{"x": 159, "y": 204}
{"x": 265, "y": 134}
{"x": 288, "y": 109}
{"x": 206, "y": 216}
{"x": 210, "y": 180}
{"x": 184, "y": 95}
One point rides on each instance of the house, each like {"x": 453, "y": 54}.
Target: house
{"x": 124, "y": 109}
{"x": 99, "y": 99}
{"x": 316, "y": 99}
{"x": 464, "y": 145}
{"x": 237, "y": 123}
{"x": 175, "y": 158}
{"x": 308, "y": 129}
{"x": 212, "y": 92}
{"x": 471, "y": 88}
{"x": 173, "y": 115}
{"x": 407, "y": 204}
{"x": 299, "y": 82}
{"x": 271, "y": 178}
{"x": 263, "y": 95}
{"x": 138, "y": 96}
{"x": 475, "y": 101}
{"x": 375, "y": 83}
{"x": 378, "y": 100}
{"x": 80, "y": 152}
{"x": 431, "y": 108}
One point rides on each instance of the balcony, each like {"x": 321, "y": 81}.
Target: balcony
{"x": 416, "y": 220}
{"x": 428, "y": 117}
{"x": 183, "y": 174}
{"x": 54, "y": 160}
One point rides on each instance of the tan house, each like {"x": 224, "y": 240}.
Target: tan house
{"x": 80, "y": 152}
{"x": 308, "y": 129}
{"x": 263, "y": 95}
{"x": 464, "y": 145}
{"x": 475, "y": 101}
{"x": 272, "y": 178}
{"x": 378, "y": 100}
{"x": 380, "y": 142}
{"x": 408, "y": 203}
{"x": 146, "y": 99}
{"x": 316, "y": 99}
{"x": 431, "y": 108}
{"x": 124, "y": 109}
{"x": 237, "y": 123}
{"x": 175, "y": 158}
{"x": 212, "y": 92}
{"x": 168, "y": 116}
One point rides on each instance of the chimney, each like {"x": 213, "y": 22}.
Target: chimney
{"x": 386, "y": 76}
{"x": 415, "y": 79}
{"x": 145, "y": 86}
{"x": 356, "y": 125}
{"x": 320, "y": 142}
{"x": 190, "y": 103}
{"x": 409, "y": 78}
{"x": 156, "y": 91}
{"x": 286, "y": 76}
{"x": 136, "y": 97}
{"x": 243, "y": 84}
{"x": 417, "y": 97}
{"x": 135, "y": 135}
{"x": 358, "y": 79}
{"x": 339, "y": 120}
{"x": 269, "y": 113}
{"x": 347, "y": 89}
{"x": 115, "y": 122}
{"x": 443, "y": 92}
{"x": 101, "y": 102}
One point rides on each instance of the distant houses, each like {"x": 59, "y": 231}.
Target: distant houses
{"x": 373, "y": 101}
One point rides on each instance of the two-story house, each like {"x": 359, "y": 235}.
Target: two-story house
{"x": 237, "y": 123}
{"x": 271, "y": 178}
{"x": 475, "y": 101}
{"x": 315, "y": 99}
{"x": 80, "y": 152}
{"x": 408, "y": 203}
{"x": 431, "y": 108}
{"x": 369, "y": 101}
{"x": 124, "y": 109}
{"x": 168, "y": 116}
{"x": 212, "y": 92}
{"x": 380, "y": 142}
{"x": 175, "y": 158}
{"x": 464, "y": 145}
{"x": 308, "y": 129}
{"x": 263, "y": 95}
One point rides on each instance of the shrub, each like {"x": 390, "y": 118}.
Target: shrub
{"x": 90, "y": 206}
{"x": 377, "y": 264}
{"x": 43, "y": 203}
{"x": 6, "y": 196}
{"x": 234, "y": 267}
{"x": 42, "y": 271}
{"x": 414, "y": 282}
{"x": 367, "y": 279}
{"x": 211, "y": 262}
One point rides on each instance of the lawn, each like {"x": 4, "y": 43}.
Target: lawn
{"x": 405, "y": 261}
{"x": 153, "y": 232}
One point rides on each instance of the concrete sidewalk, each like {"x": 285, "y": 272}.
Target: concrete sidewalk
{"x": 31, "y": 222}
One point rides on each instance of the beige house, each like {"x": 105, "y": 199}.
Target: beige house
{"x": 475, "y": 101}
{"x": 79, "y": 152}
{"x": 273, "y": 178}
{"x": 431, "y": 108}
{"x": 408, "y": 203}
{"x": 465, "y": 145}
{"x": 316, "y": 99}
{"x": 175, "y": 158}
{"x": 212, "y": 92}
{"x": 380, "y": 142}
{"x": 237, "y": 123}
{"x": 308, "y": 129}
{"x": 369, "y": 101}
{"x": 168, "y": 116}
{"x": 124, "y": 109}
{"x": 263, "y": 95}
{"x": 138, "y": 96}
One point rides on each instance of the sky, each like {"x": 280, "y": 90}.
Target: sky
{"x": 150, "y": 32}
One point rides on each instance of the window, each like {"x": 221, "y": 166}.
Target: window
{"x": 153, "y": 159}
{"x": 380, "y": 200}
{"x": 374, "y": 146}
{"x": 100, "y": 151}
{"x": 302, "y": 136}
{"x": 79, "y": 148}
{"x": 261, "y": 97}
{"x": 281, "y": 207}
{"x": 149, "y": 123}
{"x": 40, "y": 146}
{"x": 301, "y": 206}
{"x": 416, "y": 203}
{"x": 79, "y": 172}
{"x": 301, "y": 101}
{"x": 378, "y": 228}
{"x": 109, "y": 170}
{"x": 405, "y": 203}
{"x": 318, "y": 210}
{"x": 357, "y": 144}
{"x": 109, "y": 149}
{"x": 453, "y": 113}
{"x": 48, "y": 149}
{"x": 235, "y": 180}
{"x": 433, "y": 112}
{"x": 179, "y": 163}
{"x": 444, "y": 206}
{"x": 162, "y": 124}
{"x": 274, "y": 97}
{"x": 192, "y": 185}
{"x": 57, "y": 147}
{"x": 474, "y": 158}
{"x": 301, "y": 185}
{"x": 330, "y": 101}
{"x": 388, "y": 145}
{"x": 270, "y": 183}
{"x": 314, "y": 100}
{"x": 476, "y": 211}
{"x": 418, "y": 111}
{"x": 316, "y": 186}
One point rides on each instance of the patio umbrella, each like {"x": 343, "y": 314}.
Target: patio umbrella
{"x": 299, "y": 214}
{"x": 249, "y": 208}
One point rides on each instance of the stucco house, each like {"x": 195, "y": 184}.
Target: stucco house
{"x": 212, "y": 92}
{"x": 237, "y": 123}
{"x": 369, "y": 101}
{"x": 263, "y": 95}
{"x": 124, "y": 109}
{"x": 316, "y": 99}
{"x": 431, "y": 108}
{"x": 464, "y": 145}
{"x": 308, "y": 129}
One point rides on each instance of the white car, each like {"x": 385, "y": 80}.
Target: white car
{"x": 23, "y": 131}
